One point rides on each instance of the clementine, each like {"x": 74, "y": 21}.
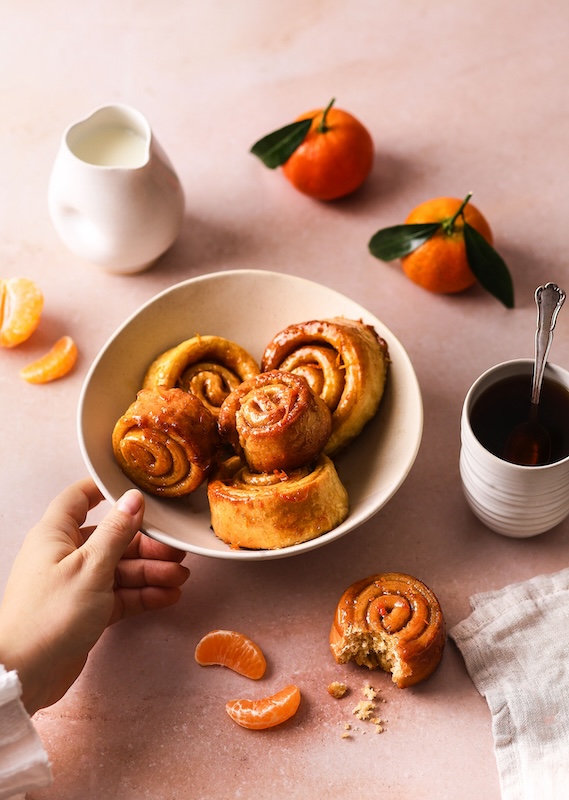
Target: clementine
{"x": 335, "y": 157}
{"x": 266, "y": 712}
{"x": 56, "y": 363}
{"x": 440, "y": 264}
{"x": 21, "y": 305}
{"x": 231, "y": 649}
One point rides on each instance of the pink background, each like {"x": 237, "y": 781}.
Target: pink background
{"x": 463, "y": 96}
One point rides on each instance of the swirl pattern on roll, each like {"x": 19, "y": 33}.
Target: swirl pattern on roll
{"x": 209, "y": 367}
{"x": 392, "y": 621}
{"x": 278, "y": 509}
{"x": 275, "y": 421}
{"x": 166, "y": 442}
{"x": 344, "y": 361}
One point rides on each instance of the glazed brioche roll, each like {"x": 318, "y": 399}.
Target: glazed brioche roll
{"x": 278, "y": 509}
{"x": 166, "y": 442}
{"x": 209, "y": 367}
{"x": 275, "y": 422}
{"x": 391, "y": 621}
{"x": 344, "y": 361}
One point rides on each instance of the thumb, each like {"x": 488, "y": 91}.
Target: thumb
{"x": 118, "y": 527}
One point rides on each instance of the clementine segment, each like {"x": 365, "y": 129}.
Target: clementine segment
{"x": 54, "y": 364}
{"x": 441, "y": 264}
{"x": 21, "y": 305}
{"x": 335, "y": 157}
{"x": 266, "y": 712}
{"x": 233, "y": 650}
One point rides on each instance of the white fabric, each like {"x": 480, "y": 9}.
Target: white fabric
{"x": 515, "y": 645}
{"x": 24, "y": 763}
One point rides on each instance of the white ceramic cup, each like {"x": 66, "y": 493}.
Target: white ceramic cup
{"x": 517, "y": 501}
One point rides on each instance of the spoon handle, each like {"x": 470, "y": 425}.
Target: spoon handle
{"x": 549, "y": 299}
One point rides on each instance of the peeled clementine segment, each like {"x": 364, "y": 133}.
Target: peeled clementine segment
{"x": 56, "y": 363}
{"x": 266, "y": 712}
{"x": 231, "y": 649}
{"x": 21, "y": 304}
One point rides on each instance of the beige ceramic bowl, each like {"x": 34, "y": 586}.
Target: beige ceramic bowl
{"x": 248, "y": 307}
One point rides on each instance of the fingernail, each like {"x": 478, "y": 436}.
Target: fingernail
{"x": 130, "y": 502}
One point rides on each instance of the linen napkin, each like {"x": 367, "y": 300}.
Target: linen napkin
{"x": 515, "y": 645}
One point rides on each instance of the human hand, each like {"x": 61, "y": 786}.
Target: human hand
{"x": 68, "y": 583}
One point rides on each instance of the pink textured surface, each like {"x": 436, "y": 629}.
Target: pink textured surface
{"x": 458, "y": 97}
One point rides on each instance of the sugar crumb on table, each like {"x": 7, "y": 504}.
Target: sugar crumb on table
{"x": 365, "y": 709}
{"x": 346, "y": 733}
{"x": 337, "y": 689}
{"x": 369, "y": 692}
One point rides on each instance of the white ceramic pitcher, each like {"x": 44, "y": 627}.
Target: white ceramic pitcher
{"x": 114, "y": 197}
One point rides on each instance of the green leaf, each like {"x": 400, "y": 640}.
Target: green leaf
{"x": 488, "y": 266}
{"x": 400, "y": 240}
{"x": 278, "y": 146}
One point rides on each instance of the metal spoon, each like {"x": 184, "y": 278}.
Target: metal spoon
{"x": 529, "y": 443}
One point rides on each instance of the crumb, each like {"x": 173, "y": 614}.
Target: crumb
{"x": 378, "y": 722}
{"x": 346, "y": 732}
{"x": 364, "y": 709}
{"x": 369, "y": 692}
{"x": 337, "y": 689}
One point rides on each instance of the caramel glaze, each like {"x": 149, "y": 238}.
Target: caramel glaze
{"x": 209, "y": 367}
{"x": 166, "y": 442}
{"x": 275, "y": 422}
{"x": 393, "y": 621}
{"x": 344, "y": 361}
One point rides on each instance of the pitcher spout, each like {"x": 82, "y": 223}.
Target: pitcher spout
{"x": 114, "y": 136}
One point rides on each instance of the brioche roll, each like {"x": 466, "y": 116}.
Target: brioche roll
{"x": 344, "y": 361}
{"x": 391, "y": 621}
{"x": 209, "y": 367}
{"x": 166, "y": 442}
{"x": 278, "y": 509}
{"x": 275, "y": 422}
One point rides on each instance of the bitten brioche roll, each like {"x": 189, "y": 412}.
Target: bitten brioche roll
{"x": 209, "y": 367}
{"x": 268, "y": 511}
{"x": 344, "y": 361}
{"x": 275, "y": 422}
{"x": 166, "y": 442}
{"x": 392, "y": 621}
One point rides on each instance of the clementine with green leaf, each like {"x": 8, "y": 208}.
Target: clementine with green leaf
{"x": 441, "y": 263}
{"x": 325, "y": 154}
{"x": 445, "y": 246}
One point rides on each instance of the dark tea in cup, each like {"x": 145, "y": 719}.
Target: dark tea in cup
{"x": 505, "y": 404}
{"x": 517, "y": 500}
